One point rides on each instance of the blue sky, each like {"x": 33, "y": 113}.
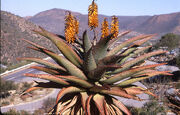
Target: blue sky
{"x": 106, "y": 7}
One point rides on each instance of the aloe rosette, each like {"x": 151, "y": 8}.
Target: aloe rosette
{"x": 90, "y": 73}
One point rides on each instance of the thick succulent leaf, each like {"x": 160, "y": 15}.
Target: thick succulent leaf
{"x": 72, "y": 103}
{"x": 100, "y": 49}
{"x": 90, "y": 63}
{"x": 79, "y": 50}
{"x": 98, "y": 73}
{"x": 121, "y": 106}
{"x": 113, "y": 41}
{"x": 134, "y": 53}
{"x": 99, "y": 100}
{"x": 65, "y": 49}
{"x": 110, "y": 59}
{"x": 129, "y": 73}
{"x": 84, "y": 97}
{"x": 43, "y": 85}
{"x": 114, "y": 91}
{"x": 68, "y": 90}
{"x": 58, "y": 108}
{"x": 78, "y": 109}
{"x": 34, "y": 44}
{"x": 112, "y": 111}
{"x": 48, "y": 70}
{"x": 44, "y": 62}
{"x": 48, "y": 77}
{"x": 86, "y": 42}
{"x": 31, "y": 89}
{"x": 129, "y": 51}
{"x": 130, "y": 63}
{"x": 107, "y": 112}
{"x": 88, "y": 105}
{"x": 148, "y": 75}
{"x": 140, "y": 42}
{"x": 141, "y": 73}
{"x": 53, "y": 55}
{"x": 76, "y": 80}
{"x": 116, "y": 109}
{"x": 124, "y": 44}
{"x": 135, "y": 90}
{"x": 50, "y": 84}
{"x": 79, "y": 41}
{"x": 67, "y": 111}
{"x": 154, "y": 73}
{"x": 70, "y": 67}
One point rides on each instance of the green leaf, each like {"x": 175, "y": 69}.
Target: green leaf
{"x": 98, "y": 73}
{"x": 113, "y": 41}
{"x": 70, "y": 67}
{"x": 49, "y": 70}
{"x": 110, "y": 59}
{"x": 90, "y": 63}
{"x": 44, "y": 62}
{"x": 86, "y": 42}
{"x": 148, "y": 75}
{"x": 65, "y": 49}
{"x": 128, "y": 51}
{"x": 78, "y": 81}
{"x": 100, "y": 49}
{"x": 138, "y": 51}
{"x": 130, "y": 63}
{"x": 48, "y": 77}
{"x": 140, "y": 42}
{"x": 124, "y": 44}
{"x": 128, "y": 73}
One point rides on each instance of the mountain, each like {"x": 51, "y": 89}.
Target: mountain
{"x": 53, "y": 20}
{"x": 161, "y": 24}
{"x": 13, "y": 29}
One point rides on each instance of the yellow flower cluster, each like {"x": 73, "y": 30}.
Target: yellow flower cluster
{"x": 114, "y": 26}
{"x": 71, "y": 28}
{"x": 93, "y": 15}
{"x": 104, "y": 28}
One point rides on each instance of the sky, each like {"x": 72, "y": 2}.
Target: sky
{"x": 106, "y": 7}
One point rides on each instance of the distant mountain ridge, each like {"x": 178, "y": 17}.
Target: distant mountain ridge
{"x": 53, "y": 20}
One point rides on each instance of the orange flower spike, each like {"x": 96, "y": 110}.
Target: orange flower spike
{"x": 114, "y": 26}
{"x": 71, "y": 27}
{"x": 105, "y": 28}
{"x": 93, "y": 15}
{"x": 76, "y": 26}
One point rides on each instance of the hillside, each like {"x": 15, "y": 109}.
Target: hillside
{"x": 53, "y": 20}
{"x": 13, "y": 29}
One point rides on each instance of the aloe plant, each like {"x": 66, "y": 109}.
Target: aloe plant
{"x": 90, "y": 73}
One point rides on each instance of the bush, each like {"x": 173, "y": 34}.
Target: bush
{"x": 14, "y": 112}
{"x": 164, "y": 42}
{"x": 6, "y": 86}
{"x": 151, "y": 108}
